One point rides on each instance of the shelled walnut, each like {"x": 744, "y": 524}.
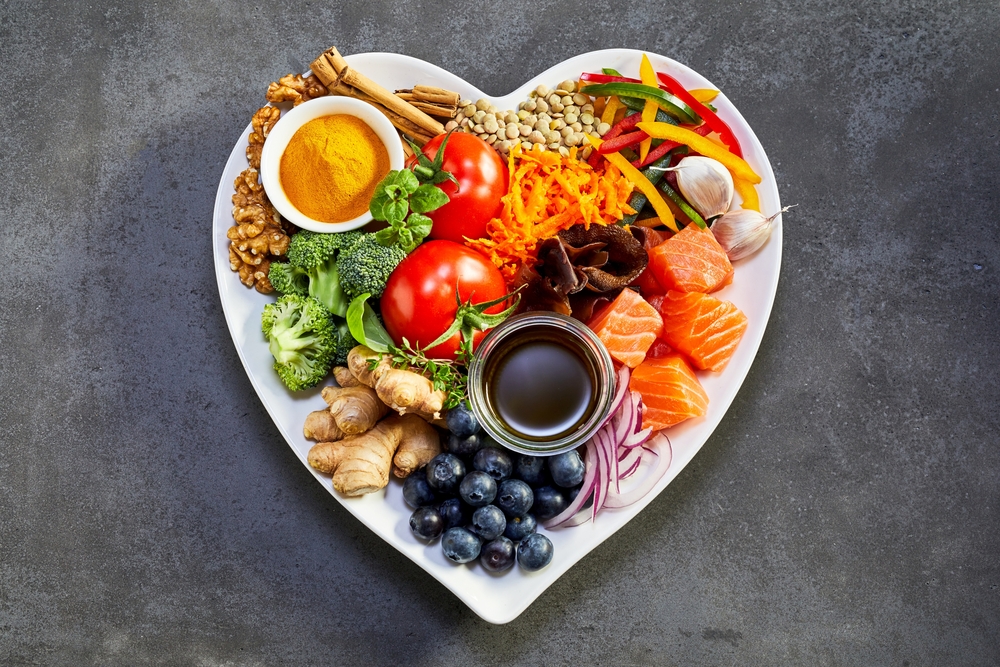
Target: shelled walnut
{"x": 296, "y": 89}
{"x": 262, "y": 122}
{"x": 257, "y": 237}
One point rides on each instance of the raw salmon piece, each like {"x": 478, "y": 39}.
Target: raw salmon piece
{"x": 691, "y": 261}
{"x": 702, "y": 327}
{"x": 670, "y": 391}
{"x": 627, "y": 327}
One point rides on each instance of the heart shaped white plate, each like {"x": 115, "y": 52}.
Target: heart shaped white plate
{"x": 500, "y": 598}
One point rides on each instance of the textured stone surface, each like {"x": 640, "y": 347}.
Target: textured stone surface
{"x": 844, "y": 513}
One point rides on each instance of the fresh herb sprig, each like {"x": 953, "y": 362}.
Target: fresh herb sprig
{"x": 405, "y": 195}
{"x": 402, "y": 201}
{"x": 445, "y": 375}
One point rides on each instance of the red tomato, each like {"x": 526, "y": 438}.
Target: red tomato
{"x": 419, "y": 299}
{"x": 483, "y": 179}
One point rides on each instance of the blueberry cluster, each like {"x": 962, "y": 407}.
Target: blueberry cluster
{"x": 485, "y": 502}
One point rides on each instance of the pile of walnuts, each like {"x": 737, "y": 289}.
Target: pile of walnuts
{"x": 259, "y": 234}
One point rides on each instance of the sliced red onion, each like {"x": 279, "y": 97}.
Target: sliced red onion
{"x": 620, "y": 391}
{"x": 664, "y": 457}
{"x": 630, "y": 462}
{"x": 636, "y": 439}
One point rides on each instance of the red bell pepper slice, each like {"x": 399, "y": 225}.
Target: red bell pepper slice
{"x": 711, "y": 120}
{"x": 606, "y": 78}
{"x": 622, "y": 141}
{"x": 626, "y": 123}
{"x": 665, "y": 147}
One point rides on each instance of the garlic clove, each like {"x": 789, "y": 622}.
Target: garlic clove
{"x": 706, "y": 184}
{"x": 743, "y": 231}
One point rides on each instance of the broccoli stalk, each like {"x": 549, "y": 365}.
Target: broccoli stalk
{"x": 325, "y": 287}
{"x": 302, "y": 339}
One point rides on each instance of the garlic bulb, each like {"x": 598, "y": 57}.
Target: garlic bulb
{"x": 743, "y": 231}
{"x": 706, "y": 184}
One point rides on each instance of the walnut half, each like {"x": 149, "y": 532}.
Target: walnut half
{"x": 296, "y": 89}
{"x": 257, "y": 237}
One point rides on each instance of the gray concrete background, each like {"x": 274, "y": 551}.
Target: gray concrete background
{"x": 844, "y": 513}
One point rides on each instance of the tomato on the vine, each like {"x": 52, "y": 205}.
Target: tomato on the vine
{"x": 482, "y": 181}
{"x": 419, "y": 300}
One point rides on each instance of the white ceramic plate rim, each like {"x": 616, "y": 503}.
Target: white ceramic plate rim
{"x": 501, "y": 598}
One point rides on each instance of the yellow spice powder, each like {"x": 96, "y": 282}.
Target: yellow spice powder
{"x": 331, "y": 166}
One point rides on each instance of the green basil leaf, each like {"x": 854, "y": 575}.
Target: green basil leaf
{"x": 366, "y": 327}
{"x": 378, "y": 203}
{"x": 404, "y": 179}
{"x": 427, "y": 198}
{"x": 386, "y": 237}
{"x": 420, "y": 226}
{"x": 395, "y": 211}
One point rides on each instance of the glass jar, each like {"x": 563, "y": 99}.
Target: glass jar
{"x": 541, "y": 383}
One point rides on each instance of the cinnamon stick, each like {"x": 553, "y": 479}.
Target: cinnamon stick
{"x": 331, "y": 65}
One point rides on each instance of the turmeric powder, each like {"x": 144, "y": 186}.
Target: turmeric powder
{"x": 331, "y": 166}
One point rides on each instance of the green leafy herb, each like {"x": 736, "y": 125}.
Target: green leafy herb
{"x": 395, "y": 196}
{"x": 365, "y": 326}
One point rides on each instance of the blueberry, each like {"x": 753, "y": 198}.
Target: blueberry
{"x": 497, "y": 555}
{"x": 460, "y": 546}
{"x": 519, "y": 527}
{"x": 531, "y": 469}
{"x": 426, "y": 523}
{"x": 494, "y": 462}
{"x": 444, "y": 473}
{"x": 477, "y": 489}
{"x": 514, "y": 497}
{"x": 462, "y": 421}
{"x": 549, "y": 501}
{"x": 567, "y": 468}
{"x": 534, "y": 552}
{"x": 488, "y": 522}
{"x": 416, "y": 491}
{"x": 572, "y": 493}
{"x": 465, "y": 447}
{"x": 454, "y": 513}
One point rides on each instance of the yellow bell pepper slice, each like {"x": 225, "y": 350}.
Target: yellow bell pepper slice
{"x": 648, "y": 77}
{"x": 636, "y": 178}
{"x": 704, "y": 94}
{"x": 700, "y": 144}
{"x": 612, "y": 107}
{"x": 748, "y": 193}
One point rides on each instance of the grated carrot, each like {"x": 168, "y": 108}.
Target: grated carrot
{"x": 548, "y": 193}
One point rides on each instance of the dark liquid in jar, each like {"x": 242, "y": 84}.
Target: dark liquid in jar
{"x": 541, "y": 387}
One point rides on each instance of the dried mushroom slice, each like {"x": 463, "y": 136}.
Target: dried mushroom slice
{"x": 623, "y": 255}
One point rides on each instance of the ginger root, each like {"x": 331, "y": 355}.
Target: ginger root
{"x": 406, "y": 392}
{"x": 421, "y": 445}
{"x": 360, "y": 464}
{"x": 344, "y": 377}
{"x": 321, "y": 427}
{"x": 355, "y": 409}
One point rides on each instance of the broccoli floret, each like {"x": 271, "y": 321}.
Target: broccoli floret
{"x": 365, "y": 266}
{"x": 345, "y": 343}
{"x": 302, "y": 338}
{"x": 308, "y": 250}
{"x": 315, "y": 256}
{"x": 288, "y": 279}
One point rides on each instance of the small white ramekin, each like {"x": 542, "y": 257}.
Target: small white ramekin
{"x": 290, "y": 122}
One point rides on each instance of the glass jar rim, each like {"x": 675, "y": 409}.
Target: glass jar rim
{"x": 597, "y": 356}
